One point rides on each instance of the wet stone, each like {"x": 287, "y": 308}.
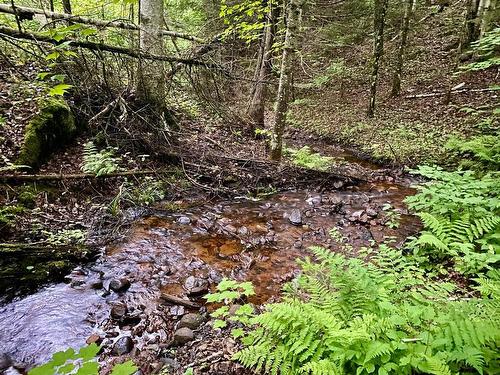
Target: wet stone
{"x": 119, "y": 285}
{"x": 123, "y": 346}
{"x": 5, "y": 361}
{"x": 295, "y": 217}
{"x": 183, "y": 336}
{"x": 191, "y": 321}
{"x": 170, "y": 363}
{"x": 95, "y": 283}
{"x": 314, "y": 201}
{"x": 297, "y": 244}
{"x": 94, "y": 338}
{"x": 118, "y": 311}
{"x": 243, "y": 231}
{"x": 196, "y": 286}
{"x": 177, "y": 310}
{"x": 184, "y": 220}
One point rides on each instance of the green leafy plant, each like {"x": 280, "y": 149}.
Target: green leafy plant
{"x": 478, "y": 153}
{"x": 349, "y": 316}
{"x": 487, "y": 50}
{"x": 304, "y": 157}
{"x": 83, "y": 362}
{"x": 229, "y": 292}
{"x": 460, "y": 213}
{"x": 392, "y": 216}
{"x": 99, "y": 162}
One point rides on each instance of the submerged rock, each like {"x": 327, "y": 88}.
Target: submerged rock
{"x": 118, "y": 311}
{"x": 184, "y": 220}
{"x": 122, "y": 346}
{"x": 5, "y": 361}
{"x": 295, "y": 217}
{"x": 119, "y": 285}
{"x": 183, "y": 336}
{"x": 191, "y": 321}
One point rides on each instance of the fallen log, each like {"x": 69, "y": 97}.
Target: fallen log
{"x": 76, "y": 176}
{"x": 179, "y": 301}
{"x": 39, "y": 37}
{"x": 27, "y": 13}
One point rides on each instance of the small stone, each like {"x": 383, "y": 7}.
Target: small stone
{"x": 122, "y": 346}
{"x": 297, "y": 244}
{"x": 191, "y": 321}
{"x": 309, "y": 213}
{"x": 118, "y": 311}
{"x": 196, "y": 286}
{"x": 295, "y": 217}
{"x": 182, "y": 336}
{"x": 170, "y": 363}
{"x": 5, "y": 361}
{"x": 371, "y": 212}
{"x": 119, "y": 285}
{"x": 184, "y": 220}
{"x": 94, "y": 338}
{"x": 11, "y": 371}
{"x": 95, "y": 283}
{"x": 231, "y": 229}
{"x": 243, "y": 231}
{"x": 177, "y": 310}
{"x": 314, "y": 201}
{"x": 338, "y": 184}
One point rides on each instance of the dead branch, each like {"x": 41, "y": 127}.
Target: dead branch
{"x": 179, "y": 301}
{"x": 27, "y": 13}
{"x": 77, "y": 176}
{"x": 39, "y": 37}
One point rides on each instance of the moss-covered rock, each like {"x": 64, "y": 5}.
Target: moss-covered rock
{"x": 53, "y": 127}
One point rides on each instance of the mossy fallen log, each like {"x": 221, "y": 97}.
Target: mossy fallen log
{"x": 52, "y": 128}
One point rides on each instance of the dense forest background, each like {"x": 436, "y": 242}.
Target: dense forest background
{"x": 366, "y": 128}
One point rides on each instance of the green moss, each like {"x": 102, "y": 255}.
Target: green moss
{"x": 53, "y": 127}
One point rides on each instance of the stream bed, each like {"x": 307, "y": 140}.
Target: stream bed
{"x": 117, "y": 300}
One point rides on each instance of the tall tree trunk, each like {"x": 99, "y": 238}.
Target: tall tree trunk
{"x": 380, "y": 10}
{"x": 487, "y": 14}
{"x": 256, "y": 111}
{"x": 151, "y": 74}
{"x": 67, "y": 6}
{"x": 396, "y": 81}
{"x": 471, "y": 25}
{"x": 292, "y": 11}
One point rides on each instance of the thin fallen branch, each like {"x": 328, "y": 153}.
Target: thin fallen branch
{"x": 39, "y": 37}
{"x": 27, "y": 13}
{"x": 434, "y": 94}
{"x": 76, "y": 176}
{"x": 179, "y": 301}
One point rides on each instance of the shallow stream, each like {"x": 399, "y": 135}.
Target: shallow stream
{"x": 185, "y": 254}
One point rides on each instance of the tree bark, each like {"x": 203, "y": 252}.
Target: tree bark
{"x": 151, "y": 75}
{"x": 380, "y": 10}
{"x": 257, "y": 106}
{"x": 471, "y": 25}
{"x": 67, "y": 6}
{"x": 396, "y": 81}
{"x": 487, "y": 14}
{"x": 292, "y": 11}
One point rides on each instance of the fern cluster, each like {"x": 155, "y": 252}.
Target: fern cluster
{"x": 99, "y": 162}
{"x": 349, "y": 316}
{"x": 461, "y": 216}
{"x": 481, "y": 152}
{"x": 306, "y": 158}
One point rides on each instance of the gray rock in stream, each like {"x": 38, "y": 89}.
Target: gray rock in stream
{"x": 183, "y": 336}
{"x": 191, "y": 321}
{"x": 118, "y": 311}
{"x": 123, "y": 345}
{"x": 295, "y": 217}
{"x": 119, "y": 285}
{"x": 184, "y": 220}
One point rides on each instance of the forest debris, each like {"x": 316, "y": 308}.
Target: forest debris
{"x": 179, "y": 301}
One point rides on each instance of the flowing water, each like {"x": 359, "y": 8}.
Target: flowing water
{"x": 188, "y": 253}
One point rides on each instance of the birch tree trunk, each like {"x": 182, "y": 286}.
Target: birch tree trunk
{"x": 291, "y": 12}
{"x": 380, "y": 10}
{"x": 396, "y": 81}
{"x": 487, "y": 14}
{"x": 256, "y": 111}
{"x": 151, "y": 74}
